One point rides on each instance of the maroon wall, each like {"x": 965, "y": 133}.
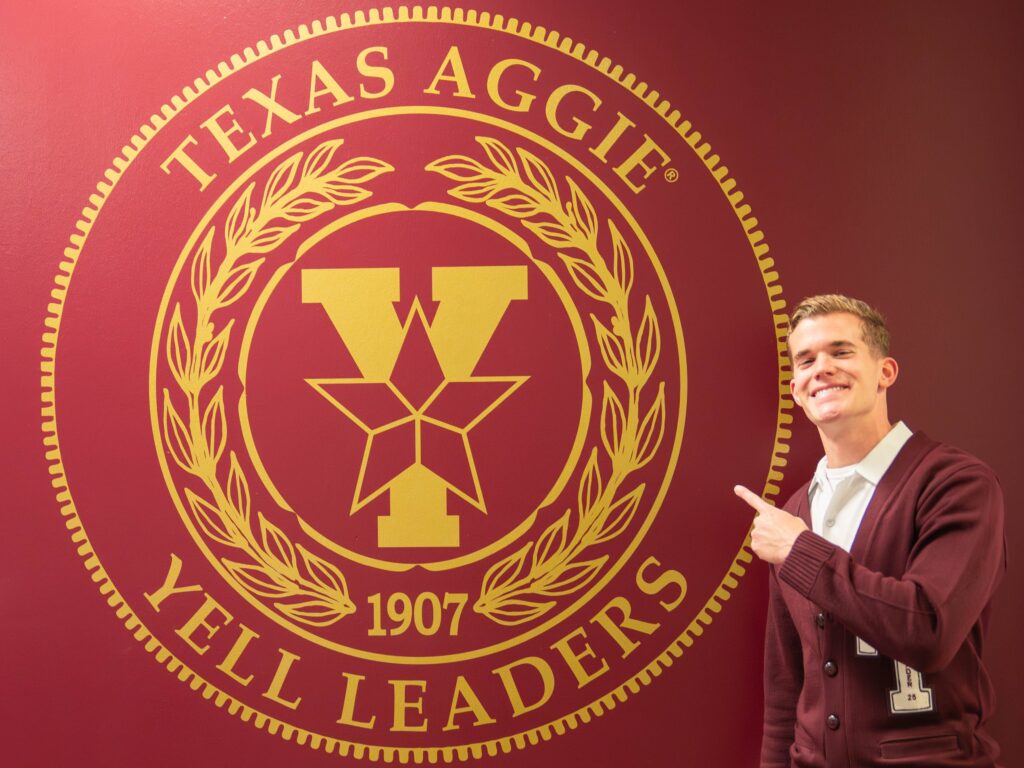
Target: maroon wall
{"x": 879, "y": 146}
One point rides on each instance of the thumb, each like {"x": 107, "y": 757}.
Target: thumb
{"x": 752, "y": 499}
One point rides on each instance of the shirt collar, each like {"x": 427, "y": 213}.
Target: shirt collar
{"x": 873, "y": 466}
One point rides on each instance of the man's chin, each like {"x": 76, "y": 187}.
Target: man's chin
{"x": 827, "y": 418}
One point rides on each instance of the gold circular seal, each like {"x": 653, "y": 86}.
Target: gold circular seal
{"x": 415, "y": 484}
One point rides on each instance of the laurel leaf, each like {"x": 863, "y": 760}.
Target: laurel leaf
{"x": 613, "y": 421}
{"x": 613, "y": 353}
{"x": 268, "y": 238}
{"x": 513, "y": 612}
{"x": 278, "y": 547}
{"x": 622, "y": 259}
{"x": 176, "y": 437}
{"x": 201, "y": 274}
{"x": 257, "y": 581}
{"x": 551, "y": 542}
{"x": 540, "y": 176}
{"x": 475, "y": 192}
{"x": 314, "y": 613}
{"x": 586, "y": 277}
{"x": 240, "y": 218}
{"x": 213, "y": 355}
{"x": 320, "y": 158}
{"x": 208, "y": 517}
{"x": 460, "y": 168}
{"x": 215, "y": 426}
{"x": 359, "y": 170}
{"x": 499, "y": 155}
{"x": 504, "y": 571}
{"x": 305, "y": 208}
{"x": 619, "y": 515}
{"x": 582, "y": 211}
{"x": 648, "y": 342}
{"x": 652, "y": 430}
{"x": 344, "y": 194}
{"x": 591, "y": 487}
{"x": 237, "y": 282}
{"x": 573, "y": 578}
{"x": 280, "y": 181}
{"x": 324, "y": 573}
{"x": 179, "y": 349}
{"x": 238, "y": 492}
{"x": 514, "y": 204}
{"x": 552, "y": 233}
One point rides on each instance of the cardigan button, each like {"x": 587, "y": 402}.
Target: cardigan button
{"x": 820, "y": 619}
{"x": 831, "y": 669}
{"x": 832, "y": 721}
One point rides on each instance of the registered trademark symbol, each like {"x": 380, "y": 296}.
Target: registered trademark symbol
{"x": 671, "y": 175}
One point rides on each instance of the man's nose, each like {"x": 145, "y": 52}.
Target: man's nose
{"x": 823, "y": 366}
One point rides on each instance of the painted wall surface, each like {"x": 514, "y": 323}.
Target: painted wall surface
{"x": 878, "y": 148}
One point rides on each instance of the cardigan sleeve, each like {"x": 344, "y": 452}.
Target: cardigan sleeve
{"x": 783, "y": 680}
{"x": 923, "y": 617}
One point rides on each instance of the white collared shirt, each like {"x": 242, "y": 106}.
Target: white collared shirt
{"x": 840, "y": 496}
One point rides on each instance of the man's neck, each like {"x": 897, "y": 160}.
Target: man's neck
{"x": 844, "y": 447}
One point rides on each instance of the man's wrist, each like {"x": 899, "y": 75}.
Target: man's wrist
{"x": 805, "y": 560}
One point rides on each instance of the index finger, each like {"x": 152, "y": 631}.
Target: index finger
{"x": 751, "y": 498}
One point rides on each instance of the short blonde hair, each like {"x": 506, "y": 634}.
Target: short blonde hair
{"x": 874, "y": 331}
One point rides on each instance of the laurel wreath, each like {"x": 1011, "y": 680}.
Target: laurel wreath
{"x": 521, "y": 587}
{"x": 302, "y": 586}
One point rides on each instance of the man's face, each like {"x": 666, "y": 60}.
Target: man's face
{"x": 837, "y": 378}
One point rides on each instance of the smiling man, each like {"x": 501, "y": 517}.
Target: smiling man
{"x": 883, "y": 569}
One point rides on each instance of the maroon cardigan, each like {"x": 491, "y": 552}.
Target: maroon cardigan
{"x": 915, "y": 589}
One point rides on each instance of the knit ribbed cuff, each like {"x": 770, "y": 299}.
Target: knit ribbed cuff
{"x": 801, "y": 568}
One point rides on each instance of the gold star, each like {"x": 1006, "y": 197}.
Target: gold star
{"x": 417, "y": 405}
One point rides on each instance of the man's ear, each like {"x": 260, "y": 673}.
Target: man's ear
{"x": 792, "y": 392}
{"x": 889, "y": 373}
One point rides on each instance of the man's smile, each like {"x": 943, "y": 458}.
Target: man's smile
{"x": 832, "y": 388}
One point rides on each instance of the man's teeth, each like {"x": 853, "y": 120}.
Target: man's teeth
{"x": 829, "y": 389}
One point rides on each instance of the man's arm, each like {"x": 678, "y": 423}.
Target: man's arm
{"x": 783, "y": 679}
{"x": 922, "y": 618}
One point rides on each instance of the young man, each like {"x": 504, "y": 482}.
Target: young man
{"x": 883, "y": 569}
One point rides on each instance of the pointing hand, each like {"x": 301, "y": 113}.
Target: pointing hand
{"x": 774, "y": 530}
